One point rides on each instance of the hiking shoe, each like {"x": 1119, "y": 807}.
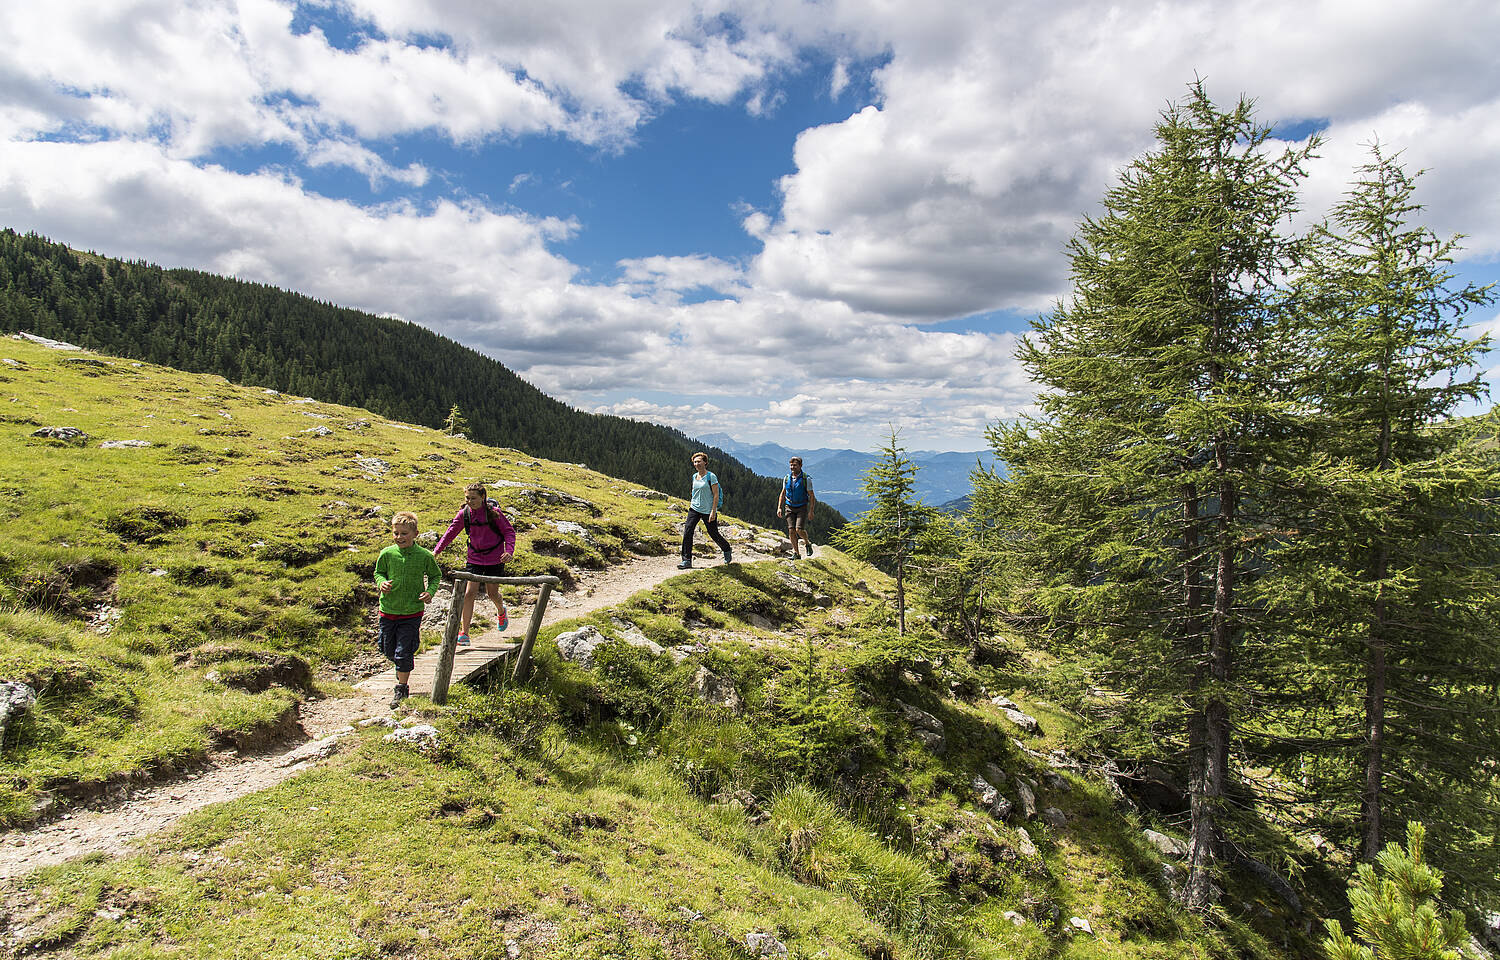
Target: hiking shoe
{"x": 402, "y": 692}
{"x": 504, "y": 621}
{"x": 463, "y": 639}
{"x": 809, "y": 548}
{"x": 685, "y": 565}
{"x": 728, "y": 557}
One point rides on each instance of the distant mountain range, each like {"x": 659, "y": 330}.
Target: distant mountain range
{"x": 941, "y": 478}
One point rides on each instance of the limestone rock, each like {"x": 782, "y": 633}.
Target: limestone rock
{"x": 65, "y": 434}
{"x": 1168, "y": 846}
{"x": 1027, "y": 799}
{"x": 572, "y": 529}
{"x": 579, "y": 645}
{"x": 1026, "y": 847}
{"x": 647, "y": 494}
{"x": 373, "y": 465}
{"x": 1017, "y": 716}
{"x": 1081, "y": 924}
{"x": 929, "y": 729}
{"x": 16, "y": 699}
{"x": 991, "y": 799}
{"x": 764, "y": 945}
{"x": 716, "y": 690}
{"x": 994, "y": 774}
{"x": 1054, "y": 818}
{"x": 423, "y": 736}
{"x": 315, "y": 750}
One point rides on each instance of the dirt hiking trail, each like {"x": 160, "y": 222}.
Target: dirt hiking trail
{"x": 113, "y": 825}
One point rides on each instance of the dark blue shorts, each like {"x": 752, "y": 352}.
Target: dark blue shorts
{"x": 486, "y": 569}
{"x": 399, "y": 640}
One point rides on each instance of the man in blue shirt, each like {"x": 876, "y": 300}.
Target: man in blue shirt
{"x": 796, "y": 504}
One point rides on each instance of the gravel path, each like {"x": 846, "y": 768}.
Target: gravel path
{"x": 112, "y": 827}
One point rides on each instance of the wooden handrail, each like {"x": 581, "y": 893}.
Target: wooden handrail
{"x": 455, "y": 614}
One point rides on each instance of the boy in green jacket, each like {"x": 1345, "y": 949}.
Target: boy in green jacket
{"x": 406, "y": 577}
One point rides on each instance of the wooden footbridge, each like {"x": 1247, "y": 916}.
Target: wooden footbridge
{"x": 437, "y": 669}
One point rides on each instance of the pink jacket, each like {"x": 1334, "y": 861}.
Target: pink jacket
{"x": 485, "y": 544}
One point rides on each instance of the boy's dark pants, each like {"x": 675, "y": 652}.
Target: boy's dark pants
{"x": 399, "y": 639}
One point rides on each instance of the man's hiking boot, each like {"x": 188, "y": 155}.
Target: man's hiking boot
{"x": 402, "y": 692}
{"x": 809, "y": 548}
{"x": 728, "y": 557}
{"x": 685, "y": 565}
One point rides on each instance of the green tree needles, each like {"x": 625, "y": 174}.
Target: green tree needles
{"x": 1143, "y": 488}
{"x": 1394, "y": 907}
{"x": 889, "y": 533}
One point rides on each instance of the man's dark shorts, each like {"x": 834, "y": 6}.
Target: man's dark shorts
{"x": 486, "y": 569}
{"x": 797, "y": 516}
{"x": 399, "y": 640}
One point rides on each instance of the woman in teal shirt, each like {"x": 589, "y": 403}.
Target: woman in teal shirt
{"x": 704, "y": 506}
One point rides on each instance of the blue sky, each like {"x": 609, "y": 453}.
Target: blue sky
{"x": 784, "y": 220}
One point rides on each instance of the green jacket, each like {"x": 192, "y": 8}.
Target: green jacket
{"x": 410, "y": 572}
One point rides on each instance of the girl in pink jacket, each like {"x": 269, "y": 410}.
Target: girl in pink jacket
{"x": 492, "y": 541}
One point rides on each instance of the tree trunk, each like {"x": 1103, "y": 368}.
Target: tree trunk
{"x": 1375, "y": 681}
{"x": 1211, "y": 767}
{"x": 900, "y": 596}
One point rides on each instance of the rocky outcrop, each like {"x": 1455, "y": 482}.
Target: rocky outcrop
{"x": 717, "y": 691}
{"x": 929, "y": 729}
{"x": 16, "y": 700}
{"x": 578, "y": 646}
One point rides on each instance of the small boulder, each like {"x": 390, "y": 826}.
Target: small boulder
{"x": 423, "y": 736}
{"x": 1017, "y": 716}
{"x": 1026, "y": 847}
{"x": 1027, "y": 799}
{"x": 716, "y": 690}
{"x": 764, "y": 945}
{"x": 578, "y": 645}
{"x": 1054, "y": 818}
{"x": 1081, "y": 924}
{"x": 16, "y": 699}
{"x": 1167, "y": 846}
{"x": 71, "y": 435}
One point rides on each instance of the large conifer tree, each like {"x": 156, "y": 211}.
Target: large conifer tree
{"x": 1164, "y": 420}
{"x": 1399, "y": 547}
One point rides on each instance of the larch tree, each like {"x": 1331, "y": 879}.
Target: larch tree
{"x": 890, "y": 532}
{"x": 1141, "y": 488}
{"x": 1400, "y": 544}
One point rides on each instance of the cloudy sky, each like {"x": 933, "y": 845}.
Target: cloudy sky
{"x": 798, "y": 220}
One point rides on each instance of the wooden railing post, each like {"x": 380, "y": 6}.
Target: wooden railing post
{"x": 450, "y": 641}
{"x": 523, "y": 656}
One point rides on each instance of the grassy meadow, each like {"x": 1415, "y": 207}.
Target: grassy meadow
{"x": 601, "y": 812}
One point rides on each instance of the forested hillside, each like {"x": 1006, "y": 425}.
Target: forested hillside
{"x": 260, "y": 335}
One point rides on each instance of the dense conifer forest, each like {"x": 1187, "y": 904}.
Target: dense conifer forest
{"x": 256, "y": 334}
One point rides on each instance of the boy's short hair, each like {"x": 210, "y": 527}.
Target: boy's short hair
{"x": 404, "y": 518}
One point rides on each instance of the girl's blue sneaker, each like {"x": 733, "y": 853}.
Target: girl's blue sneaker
{"x": 463, "y": 639}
